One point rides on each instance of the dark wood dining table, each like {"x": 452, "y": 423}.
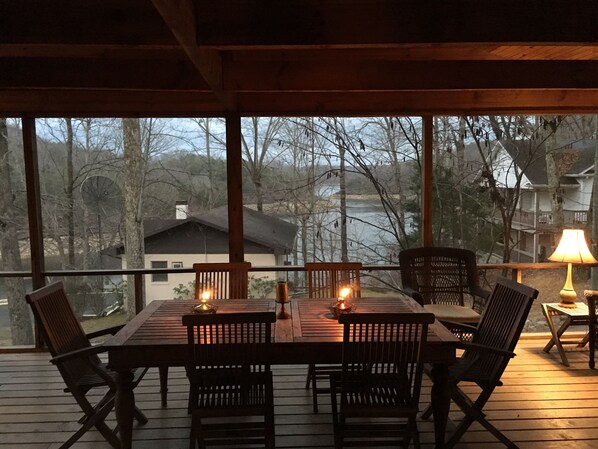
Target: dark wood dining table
{"x": 156, "y": 337}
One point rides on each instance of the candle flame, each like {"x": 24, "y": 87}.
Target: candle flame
{"x": 346, "y": 291}
{"x": 205, "y": 295}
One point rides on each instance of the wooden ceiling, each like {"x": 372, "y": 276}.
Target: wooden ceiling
{"x": 297, "y": 57}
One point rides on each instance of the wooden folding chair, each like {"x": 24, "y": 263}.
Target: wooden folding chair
{"x": 488, "y": 354}
{"x": 78, "y": 361}
{"x": 229, "y": 376}
{"x": 592, "y": 298}
{"x": 380, "y": 381}
{"x": 324, "y": 280}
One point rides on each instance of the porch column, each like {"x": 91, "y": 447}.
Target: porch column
{"x": 34, "y": 211}
{"x": 536, "y": 209}
{"x": 427, "y": 188}
{"x": 234, "y": 182}
{"x": 34, "y": 206}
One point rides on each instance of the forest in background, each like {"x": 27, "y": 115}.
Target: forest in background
{"x": 100, "y": 178}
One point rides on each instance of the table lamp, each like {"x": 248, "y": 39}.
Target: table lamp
{"x": 572, "y": 249}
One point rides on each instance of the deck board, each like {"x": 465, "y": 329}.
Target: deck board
{"x": 543, "y": 404}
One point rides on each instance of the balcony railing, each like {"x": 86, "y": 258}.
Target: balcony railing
{"x": 571, "y": 218}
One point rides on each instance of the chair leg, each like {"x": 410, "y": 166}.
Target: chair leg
{"x": 139, "y": 416}
{"x": 193, "y": 395}
{"x": 427, "y": 412}
{"x": 193, "y": 433}
{"x": 163, "y": 385}
{"x": 310, "y": 373}
{"x": 414, "y": 431}
{"x": 314, "y": 390}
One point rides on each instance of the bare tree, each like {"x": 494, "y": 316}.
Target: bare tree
{"x": 133, "y": 203}
{"x": 20, "y": 322}
{"x": 259, "y": 134}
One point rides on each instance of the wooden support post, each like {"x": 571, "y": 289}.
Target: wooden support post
{"x": 427, "y": 179}
{"x": 34, "y": 208}
{"x": 33, "y": 202}
{"x": 234, "y": 181}
{"x": 138, "y": 292}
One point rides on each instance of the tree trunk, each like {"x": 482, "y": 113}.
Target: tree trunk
{"x": 134, "y": 245}
{"x": 18, "y": 312}
{"x": 211, "y": 202}
{"x": 70, "y": 206}
{"x": 553, "y": 175}
{"x": 343, "y": 205}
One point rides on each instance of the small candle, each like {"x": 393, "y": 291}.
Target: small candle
{"x": 342, "y": 295}
{"x": 341, "y": 305}
{"x": 203, "y": 306}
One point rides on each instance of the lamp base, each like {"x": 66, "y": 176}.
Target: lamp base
{"x": 568, "y": 298}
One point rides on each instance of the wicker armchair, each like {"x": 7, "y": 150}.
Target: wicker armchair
{"x": 445, "y": 281}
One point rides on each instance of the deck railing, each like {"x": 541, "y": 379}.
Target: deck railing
{"x": 379, "y": 274}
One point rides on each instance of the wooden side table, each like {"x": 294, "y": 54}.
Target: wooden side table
{"x": 573, "y": 317}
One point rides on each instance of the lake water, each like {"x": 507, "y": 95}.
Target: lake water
{"x": 369, "y": 238}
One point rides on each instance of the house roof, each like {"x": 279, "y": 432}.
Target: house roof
{"x": 573, "y": 158}
{"x": 259, "y": 228}
{"x": 296, "y": 57}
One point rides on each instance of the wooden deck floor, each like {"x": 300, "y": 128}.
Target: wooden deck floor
{"x": 542, "y": 405}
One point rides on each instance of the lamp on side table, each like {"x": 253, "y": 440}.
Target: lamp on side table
{"x": 572, "y": 249}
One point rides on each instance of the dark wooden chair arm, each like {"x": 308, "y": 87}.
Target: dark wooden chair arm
{"x": 414, "y": 294}
{"x": 108, "y": 331}
{"x": 483, "y": 348}
{"x": 464, "y": 332}
{"x": 78, "y": 354}
{"x": 459, "y": 327}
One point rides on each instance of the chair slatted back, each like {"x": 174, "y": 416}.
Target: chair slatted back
{"x": 230, "y": 339}
{"x": 224, "y": 280}
{"x": 325, "y": 279}
{"x": 500, "y": 327}
{"x": 591, "y": 297}
{"x": 441, "y": 275}
{"x": 386, "y": 344}
{"x": 60, "y": 328}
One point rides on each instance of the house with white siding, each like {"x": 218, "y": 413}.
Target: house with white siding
{"x": 182, "y": 241}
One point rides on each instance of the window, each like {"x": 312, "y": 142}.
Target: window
{"x": 177, "y": 264}
{"x": 159, "y": 277}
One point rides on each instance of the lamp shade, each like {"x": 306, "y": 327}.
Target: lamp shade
{"x": 573, "y": 248}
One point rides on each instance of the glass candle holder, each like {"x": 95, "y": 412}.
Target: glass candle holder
{"x": 204, "y": 306}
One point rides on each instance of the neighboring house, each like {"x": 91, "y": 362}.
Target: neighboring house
{"x": 533, "y": 226}
{"x": 185, "y": 240}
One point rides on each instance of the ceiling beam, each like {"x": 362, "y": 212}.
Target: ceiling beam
{"x": 331, "y": 23}
{"x": 87, "y": 51}
{"x": 88, "y": 22}
{"x": 108, "y": 103}
{"x": 355, "y": 75}
{"x": 126, "y": 103}
{"x": 101, "y": 73}
{"x": 423, "y": 52}
{"x": 179, "y": 15}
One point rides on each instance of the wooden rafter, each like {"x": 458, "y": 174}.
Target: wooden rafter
{"x": 179, "y": 15}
